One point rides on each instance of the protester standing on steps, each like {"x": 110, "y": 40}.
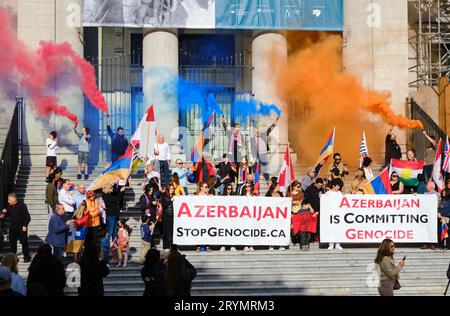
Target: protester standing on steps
{"x": 17, "y": 282}
{"x": 123, "y": 239}
{"x": 183, "y": 174}
{"x": 392, "y": 148}
{"x": 119, "y": 142}
{"x": 93, "y": 213}
{"x": 57, "y": 229}
{"x": 51, "y": 194}
{"x": 167, "y": 205}
{"x": 147, "y": 242}
{"x": 359, "y": 182}
{"x": 50, "y": 160}
{"x": 335, "y": 190}
{"x": 234, "y": 141}
{"x": 429, "y": 156}
{"x": 84, "y": 145}
{"x": 389, "y": 271}
{"x": 19, "y": 221}
{"x": 79, "y": 196}
{"x": 93, "y": 271}
{"x": 162, "y": 151}
{"x": 65, "y": 199}
{"x": 260, "y": 149}
{"x": 367, "y": 167}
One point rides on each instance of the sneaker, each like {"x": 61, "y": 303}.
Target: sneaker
{"x": 251, "y": 249}
{"x": 118, "y": 265}
{"x": 233, "y": 249}
{"x": 86, "y": 177}
{"x": 222, "y": 249}
{"x": 331, "y": 248}
{"x": 338, "y": 247}
{"x": 424, "y": 247}
{"x": 433, "y": 247}
{"x": 307, "y": 248}
{"x": 282, "y": 249}
{"x": 79, "y": 176}
{"x": 246, "y": 249}
{"x": 271, "y": 249}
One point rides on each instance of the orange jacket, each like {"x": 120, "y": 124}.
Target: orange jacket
{"x": 93, "y": 209}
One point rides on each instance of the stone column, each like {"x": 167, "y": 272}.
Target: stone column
{"x": 265, "y": 45}
{"x": 160, "y": 60}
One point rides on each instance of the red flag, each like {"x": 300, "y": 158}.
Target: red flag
{"x": 286, "y": 175}
{"x": 150, "y": 114}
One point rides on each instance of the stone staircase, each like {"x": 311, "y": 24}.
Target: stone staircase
{"x": 289, "y": 272}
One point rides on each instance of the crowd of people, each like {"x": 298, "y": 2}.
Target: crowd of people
{"x": 96, "y": 216}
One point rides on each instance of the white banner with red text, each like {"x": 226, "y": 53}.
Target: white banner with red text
{"x": 372, "y": 218}
{"x": 231, "y": 220}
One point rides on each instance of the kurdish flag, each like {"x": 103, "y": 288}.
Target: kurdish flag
{"x": 407, "y": 170}
{"x": 380, "y": 184}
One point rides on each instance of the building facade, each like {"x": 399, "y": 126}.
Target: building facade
{"x": 133, "y": 62}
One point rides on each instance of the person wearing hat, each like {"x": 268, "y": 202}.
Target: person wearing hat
{"x": 5, "y": 283}
{"x": 119, "y": 143}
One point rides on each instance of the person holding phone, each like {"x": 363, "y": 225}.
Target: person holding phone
{"x": 339, "y": 165}
{"x": 389, "y": 271}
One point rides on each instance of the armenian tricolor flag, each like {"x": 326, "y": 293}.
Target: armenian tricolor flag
{"x": 326, "y": 152}
{"x": 380, "y": 184}
{"x": 444, "y": 231}
{"x": 76, "y": 238}
{"x": 119, "y": 170}
{"x": 116, "y": 253}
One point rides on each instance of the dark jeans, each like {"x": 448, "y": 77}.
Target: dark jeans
{"x": 111, "y": 224}
{"x": 58, "y": 251}
{"x": 305, "y": 237}
{"x": 168, "y": 231}
{"x": 427, "y": 172}
{"x": 165, "y": 173}
{"x": 17, "y": 234}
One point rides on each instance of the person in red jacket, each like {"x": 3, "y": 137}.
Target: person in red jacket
{"x": 304, "y": 223}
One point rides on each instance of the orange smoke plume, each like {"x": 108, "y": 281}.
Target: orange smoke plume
{"x": 325, "y": 96}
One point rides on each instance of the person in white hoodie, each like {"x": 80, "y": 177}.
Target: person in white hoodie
{"x": 52, "y": 144}
{"x": 335, "y": 190}
{"x": 65, "y": 198}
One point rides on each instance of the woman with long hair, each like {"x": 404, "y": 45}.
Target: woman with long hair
{"x": 359, "y": 182}
{"x": 179, "y": 275}
{"x": 367, "y": 167}
{"x": 93, "y": 270}
{"x": 167, "y": 205}
{"x": 202, "y": 190}
{"x": 396, "y": 186}
{"x": 175, "y": 181}
{"x": 243, "y": 174}
{"x": 248, "y": 189}
{"x": 389, "y": 271}
{"x": 274, "y": 191}
{"x": 17, "y": 283}
{"x": 228, "y": 190}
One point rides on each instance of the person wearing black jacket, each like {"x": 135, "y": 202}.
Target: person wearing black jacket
{"x": 151, "y": 273}
{"x": 119, "y": 142}
{"x": 225, "y": 173}
{"x": 93, "y": 270}
{"x": 150, "y": 203}
{"x": 112, "y": 208}
{"x": 19, "y": 221}
{"x": 392, "y": 149}
{"x": 47, "y": 272}
{"x": 167, "y": 204}
{"x": 312, "y": 194}
{"x": 178, "y": 275}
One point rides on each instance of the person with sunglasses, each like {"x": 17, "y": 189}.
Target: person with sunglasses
{"x": 339, "y": 165}
{"x": 396, "y": 185}
{"x": 389, "y": 271}
{"x": 248, "y": 191}
{"x": 228, "y": 191}
{"x": 183, "y": 174}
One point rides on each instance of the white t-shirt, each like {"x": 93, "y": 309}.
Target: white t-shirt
{"x": 163, "y": 150}
{"x": 51, "y": 147}
{"x": 65, "y": 198}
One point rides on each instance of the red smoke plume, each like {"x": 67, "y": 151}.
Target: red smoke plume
{"x": 36, "y": 72}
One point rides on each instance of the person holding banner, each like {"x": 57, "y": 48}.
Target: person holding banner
{"x": 304, "y": 222}
{"x": 203, "y": 190}
{"x": 335, "y": 189}
{"x": 389, "y": 271}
